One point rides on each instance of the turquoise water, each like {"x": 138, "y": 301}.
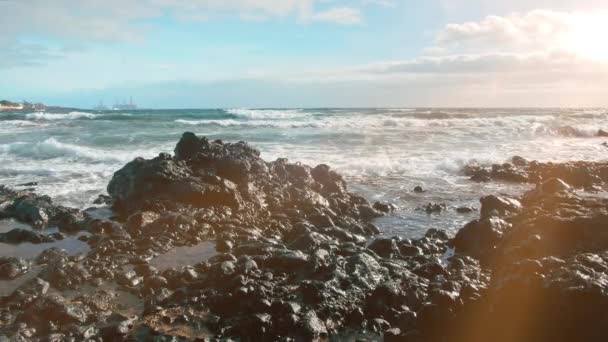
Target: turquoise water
{"x": 383, "y": 153}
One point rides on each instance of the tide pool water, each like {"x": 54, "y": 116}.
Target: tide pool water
{"x": 383, "y": 153}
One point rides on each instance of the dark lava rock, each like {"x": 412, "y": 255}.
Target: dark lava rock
{"x": 39, "y": 211}
{"x": 480, "y": 237}
{"x": 498, "y": 205}
{"x": 465, "y": 210}
{"x": 103, "y": 199}
{"x": 385, "y": 247}
{"x": 293, "y": 261}
{"x": 17, "y": 236}
{"x": 384, "y": 207}
{"x": 434, "y": 208}
{"x": 580, "y": 174}
{"x": 11, "y": 268}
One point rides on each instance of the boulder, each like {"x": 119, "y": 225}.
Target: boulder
{"x": 498, "y": 205}
{"x": 11, "y": 268}
{"x": 479, "y": 238}
{"x": 18, "y": 235}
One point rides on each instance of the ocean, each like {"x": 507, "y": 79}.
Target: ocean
{"x": 382, "y": 153}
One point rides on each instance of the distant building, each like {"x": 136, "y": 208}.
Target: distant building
{"x": 125, "y": 105}
{"x": 101, "y": 106}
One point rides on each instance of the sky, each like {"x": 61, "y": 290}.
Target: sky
{"x": 305, "y": 53}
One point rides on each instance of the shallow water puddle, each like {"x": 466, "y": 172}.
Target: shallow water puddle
{"x": 183, "y": 256}
{"x": 7, "y": 225}
{"x": 28, "y": 250}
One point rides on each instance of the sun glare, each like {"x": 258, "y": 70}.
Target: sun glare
{"x": 586, "y": 37}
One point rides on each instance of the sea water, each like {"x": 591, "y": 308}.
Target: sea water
{"x": 382, "y": 153}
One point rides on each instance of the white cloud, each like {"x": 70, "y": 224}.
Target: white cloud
{"x": 67, "y": 22}
{"x": 491, "y": 63}
{"x": 120, "y": 20}
{"x": 20, "y": 54}
{"x": 581, "y": 33}
{"x": 540, "y": 55}
{"x": 339, "y": 15}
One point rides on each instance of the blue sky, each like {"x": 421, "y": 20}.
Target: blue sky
{"x": 305, "y": 53}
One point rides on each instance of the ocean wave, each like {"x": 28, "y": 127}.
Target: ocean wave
{"x": 510, "y": 127}
{"x": 407, "y": 110}
{"x": 51, "y": 149}
{"x": 17, "y": 124}
{"x": 11, "y": 172}
{"x": 250, "y": 124}
{"x": 243, "y": 113}
{"x": 61, "y": 116}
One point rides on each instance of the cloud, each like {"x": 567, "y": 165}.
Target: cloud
{"x": 540, "y": 56}
{"x": 339, "y": 15}
{"x": 121, "y": 20}
{"x": 19, "y": 54}
{"x": 538, "y": 29}
{"x": 491, "y": 63}
{"x": 535, "y": 31}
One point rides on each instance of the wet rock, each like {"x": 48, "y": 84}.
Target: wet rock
{"x": 480, "y": 237}
{"x": 465, "y": 210}
{"x": 433, "y": 208}
{"x": 580, "y": 174}
{"x": 387, "y": 295}
{"x": 368, "y": 213}
{"x": 288, "y": 261}
{"x": 116, "y": 328}
{"x": 32, "y": 210}
{"x": 31, "y": 290}
{"x": 384, "y": 207}
{"x": 127, "y": 278}
{"x": 103, "y": 199}
{"x": 519, "y": 161}
{"x": 418, "y": 189}
{"x": 407, "y": 249}
{"x": 499, "y": 205}
{"x": 385, "y": 247}
{"x": 365, "y": 270}
{"x": 11, "y": 268}
{"x": 602, "y": 133}
{"x": 547, "y": 188}
{"x": 393, "y": 334}
{"x": 312, "y": 327}
{"x": 28, "y": 184}
{"x": 17, "y": 236}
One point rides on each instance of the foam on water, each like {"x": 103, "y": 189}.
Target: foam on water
{"x": 51, "y": 148}
{"x": 61, "y": 116}
{"x": 266, "y": 113}
{"x": 383, "y": 153}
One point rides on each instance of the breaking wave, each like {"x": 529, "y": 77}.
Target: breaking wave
{"x": 61, "y": 116}
{"x": 266, "y": 113}
{"x": 51, "y": 148}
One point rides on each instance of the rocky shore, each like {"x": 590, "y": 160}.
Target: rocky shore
{"x": 297, "y": 257}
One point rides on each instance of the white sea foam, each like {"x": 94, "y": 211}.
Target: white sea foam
{"x": 249, "y": 123}
{"x": 52, "y": 148}
{"x": 516, "y": 126}
{"x": 266, "y": 113}
{"x": 61, "y": 116}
